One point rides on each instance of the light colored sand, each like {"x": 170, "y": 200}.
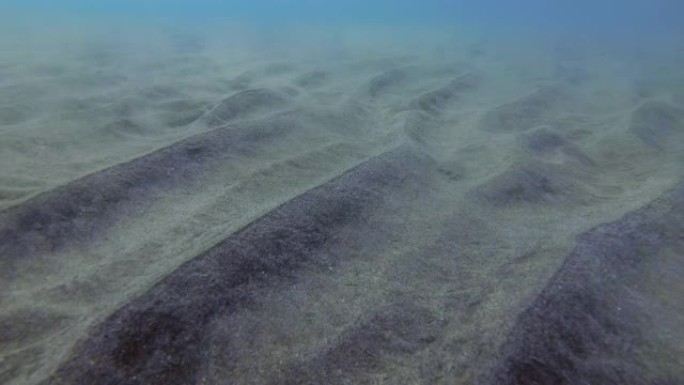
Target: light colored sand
{"x": 530, "y": 149}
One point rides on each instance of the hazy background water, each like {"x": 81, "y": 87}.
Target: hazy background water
{"x": 632, "y": 17}
{"x": 639, "y": 27}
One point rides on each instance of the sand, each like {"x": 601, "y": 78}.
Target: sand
{"x": 367, "y": 206}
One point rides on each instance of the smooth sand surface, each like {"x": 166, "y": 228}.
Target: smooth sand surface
{"x": 363, "y": 207}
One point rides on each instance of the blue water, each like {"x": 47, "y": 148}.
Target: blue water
{"x": 606, "y": 15}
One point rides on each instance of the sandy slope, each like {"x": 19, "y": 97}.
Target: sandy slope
{"x": 368, "y": 212}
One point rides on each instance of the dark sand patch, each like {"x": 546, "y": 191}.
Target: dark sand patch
{"x": 599, "y": 320}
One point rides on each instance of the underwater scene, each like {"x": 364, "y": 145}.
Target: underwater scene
{"x": 342, "y": 192}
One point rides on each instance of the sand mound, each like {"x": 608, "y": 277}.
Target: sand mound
{"x": 246, "y": 104}
{"x": 526, "y": 112}
{"x": 312, "y": 79}
{"x": 436, "y": 100}
{"x": 385, "y": 82}
{"x": 532, "y": 183}
{"x": 657, "y": 123}
{"x": 547, "y": 144}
